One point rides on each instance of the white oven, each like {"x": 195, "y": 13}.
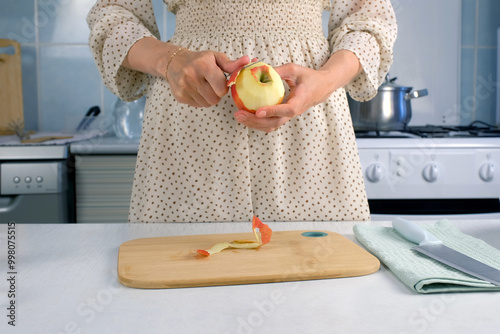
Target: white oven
{"x": 424, "y": 176}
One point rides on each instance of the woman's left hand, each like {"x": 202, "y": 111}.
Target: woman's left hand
{"x": 308, "y": 87}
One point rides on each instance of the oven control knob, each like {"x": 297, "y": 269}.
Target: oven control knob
{"x": 431, "y": 172}
{"x": 487, "y": 171}
{"x": 375, "y": 172}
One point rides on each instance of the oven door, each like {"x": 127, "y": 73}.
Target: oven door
{"x": 41, "y": 208}
{"x": 36, "y": 192}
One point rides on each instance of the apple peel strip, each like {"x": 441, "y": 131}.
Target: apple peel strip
{"x": 263, "y": 237}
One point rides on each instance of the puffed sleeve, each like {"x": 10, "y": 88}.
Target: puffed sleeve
{"x": 369, "y": 29}
{"x": 115, "y": 25}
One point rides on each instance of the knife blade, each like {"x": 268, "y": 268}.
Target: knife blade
{"x": 434, "y": 248}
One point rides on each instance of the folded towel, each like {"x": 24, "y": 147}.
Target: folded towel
{"x": 421, "y": 273}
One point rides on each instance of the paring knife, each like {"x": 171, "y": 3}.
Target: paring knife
{"x": 431, "y": 246}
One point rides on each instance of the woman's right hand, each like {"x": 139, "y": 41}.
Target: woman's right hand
{"x": 197, "y": 78}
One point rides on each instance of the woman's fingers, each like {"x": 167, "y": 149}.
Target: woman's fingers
{"x": 197, "y": 78}
{"x": 230, "y": 66}
{"x": 267, "y": 124}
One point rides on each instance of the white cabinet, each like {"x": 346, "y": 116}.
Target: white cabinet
{"x": 103, "y": 187}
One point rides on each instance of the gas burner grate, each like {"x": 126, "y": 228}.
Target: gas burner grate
{"x": 382, "y": 134}
{"x": 475, "y": 129}
{"x": 429, "y": 131}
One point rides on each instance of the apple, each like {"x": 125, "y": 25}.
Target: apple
{"x": 256, "y": 85}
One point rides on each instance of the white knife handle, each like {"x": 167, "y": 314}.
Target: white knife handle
{"x": 413, "y": 232}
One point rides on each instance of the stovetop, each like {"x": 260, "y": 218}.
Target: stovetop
{"x": 475, "y": 129}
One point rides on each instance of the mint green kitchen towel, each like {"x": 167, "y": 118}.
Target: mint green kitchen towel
{"x": 421, "y": 273}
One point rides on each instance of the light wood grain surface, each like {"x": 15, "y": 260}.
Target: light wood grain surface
{"x": 172, "y": 262}
{"x": 11, "y": 87}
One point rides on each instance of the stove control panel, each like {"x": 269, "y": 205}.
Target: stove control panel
{"x": 19, "y": 178}
{"x": 431, "y": 172}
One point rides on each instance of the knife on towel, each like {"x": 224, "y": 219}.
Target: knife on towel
{"x": 431, "y": 246}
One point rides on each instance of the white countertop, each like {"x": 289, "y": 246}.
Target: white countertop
{"x": 105, "y": 145}
{"x": 67, "y": 283}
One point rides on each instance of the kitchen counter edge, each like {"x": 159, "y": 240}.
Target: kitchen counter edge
{"x": 105, "y": 145}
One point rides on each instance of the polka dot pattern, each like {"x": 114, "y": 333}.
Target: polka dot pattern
{"x": 201, "y": 164}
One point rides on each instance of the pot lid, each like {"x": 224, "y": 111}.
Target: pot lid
{"x": 390, "y": 85}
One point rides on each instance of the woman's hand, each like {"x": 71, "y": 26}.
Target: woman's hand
{"x": 197, "y": 78}
{"x": 305, "y": 91}
{"x": 308, "y": 88}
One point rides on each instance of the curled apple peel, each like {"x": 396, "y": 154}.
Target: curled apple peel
{"x": 265, "y": 233}
{"x": 256, "y": 85}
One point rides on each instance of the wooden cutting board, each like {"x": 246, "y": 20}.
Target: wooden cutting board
{"x": 11, "y": 88}
{"x": 172, "y": 262}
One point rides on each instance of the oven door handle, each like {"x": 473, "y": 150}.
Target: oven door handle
{"x": 9, "y": 203}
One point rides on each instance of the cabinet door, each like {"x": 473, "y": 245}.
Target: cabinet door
{"x": 103, "y": 187}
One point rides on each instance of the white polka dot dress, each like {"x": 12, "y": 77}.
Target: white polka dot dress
{"x": 200, "y": 164}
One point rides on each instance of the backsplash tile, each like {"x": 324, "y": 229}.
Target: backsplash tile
{"x": 69, "y": 86}
{"x": 488, "y": 22}
{"x": 30, "y": 87}
{"x": 485, "y": 85}
{"x": 468, "y": 22}
{"x": 17, "y": 20}
{"x": 60, "y": 80}
{"x": 63, "y": 22}
{"x": 467, "y": 85}
{"x": 480, "y": 21}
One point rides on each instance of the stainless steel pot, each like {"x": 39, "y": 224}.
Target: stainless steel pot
{"x": 389, "y": 110}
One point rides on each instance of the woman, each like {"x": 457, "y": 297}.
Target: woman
{"x": 199, "y": 158}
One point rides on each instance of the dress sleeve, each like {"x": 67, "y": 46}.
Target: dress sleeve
{"x": 115, "y": 25}
{"x": 369, "y": 29}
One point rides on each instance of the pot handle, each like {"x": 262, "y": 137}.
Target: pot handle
{"x": 416, "y": 94}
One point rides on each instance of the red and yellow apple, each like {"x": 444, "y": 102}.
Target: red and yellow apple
{"x": 256, "y": 85}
